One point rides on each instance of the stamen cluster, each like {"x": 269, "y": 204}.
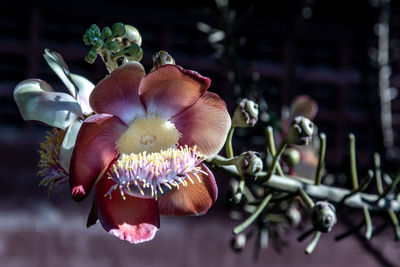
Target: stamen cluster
{"x": 155, "y": 173}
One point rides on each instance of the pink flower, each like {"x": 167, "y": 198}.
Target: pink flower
{"x": 144, "y": 149}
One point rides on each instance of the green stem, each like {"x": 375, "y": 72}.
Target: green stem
{"x": 395, "y": 221}
{"x": 321, "y": 159}
{"x": 362, "y": 187}
{"x": 378, "y": 176}
{"x": 368, "y": 223}
{"x": 271, "y": 147}
{"x": 390, "y": 187}
{"x": 238, "y": 229}
{"x": 228, "y": 144}
{"x": 308, "y": 202}
{"x": 240, "y": 190}
{"x": 353, "y": 165}
{"x": 310, "y": 248}
{"x": 275, "y": 160}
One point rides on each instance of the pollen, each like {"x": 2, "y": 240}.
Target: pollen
{"x": 50, "y": 168}
{"x": 149, "y": 175}
{"x": 151, "y": 134}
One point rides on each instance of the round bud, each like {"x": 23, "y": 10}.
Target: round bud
{"x": 105, "y": 33}
{"x": 246, "y": 114}
{"x": 300, "y": 131}
{"x": 95, "y": 30}
{"x": 133, "y": 35}
{"x": 91, "y": 56}
{"x": 291, "y": 156}
{"x": 118, "y": 29}
{"x": 162, "y": 58}
{"x": 249, "y": 164}
{"x": 239, "y": 242}
{"x": 112, "y": 46}
{"x": 323, "y": 216}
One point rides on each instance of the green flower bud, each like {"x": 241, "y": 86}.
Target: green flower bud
{"x": 300, "y": 131}
{"x": 105, "y": 33}
{"x": 134, "y": 52}
{"x": 118, "y": 29}
{"x": 323, "y": 216}
{"x": 246, "y": 114}
{"x": 99, "y": 43}
{"x": 112, "y": 46}
{"x": 91, "y": 56}
{"x": 291, "y": 156}
{"x": 95, "y": 30}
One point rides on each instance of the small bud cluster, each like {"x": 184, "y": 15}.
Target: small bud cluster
{"x": 112, "y": 44}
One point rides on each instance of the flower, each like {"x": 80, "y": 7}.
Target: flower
{"x": 144, "y": 149}
{"x": 38, "y": 101}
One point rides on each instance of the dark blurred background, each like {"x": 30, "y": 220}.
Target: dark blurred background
{"x": 271, "y": 51}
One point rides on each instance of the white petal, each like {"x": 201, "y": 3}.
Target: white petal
{"x": 58, "y": 65}
{"x": 85, "y": 88}
{"x": 68, "y": 144}
{"x": 37, "y": 101}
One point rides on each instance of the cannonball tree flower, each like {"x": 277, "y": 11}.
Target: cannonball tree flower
{"x": 144, "y": 149}
{"x": 38, "y": 101}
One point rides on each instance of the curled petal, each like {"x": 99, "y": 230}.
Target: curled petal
{"x": 170, "y": 89}
{"x": 117, "y": 94}
{"x": 204, "y": 124}
{"x": 68, "y": 144}
{"x": 194, "y": 199}
{"x": 85, "y": 88}
{"x": 94, "y": 150}
{"x": 37, "y": 101}
{"x": 132, "y": 219}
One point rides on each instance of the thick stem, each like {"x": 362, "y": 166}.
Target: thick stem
{"x": 271, "y": 147}
{"x": 321, "y": 159}
{"x": 228, "y": 144}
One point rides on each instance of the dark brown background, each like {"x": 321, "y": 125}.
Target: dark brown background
{"x": 326, "y": 56}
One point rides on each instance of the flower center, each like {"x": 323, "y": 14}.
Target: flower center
{"x": 148, "y": 134}
{"x": 149, "y": 175}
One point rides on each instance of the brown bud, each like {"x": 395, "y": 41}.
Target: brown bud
{"x": 323, "y": 216}
{"x": 300, "y": 131}
{"x": 249, "y": 164}
{"x": 246, "y": 114}
{"x": 162, "y": 58}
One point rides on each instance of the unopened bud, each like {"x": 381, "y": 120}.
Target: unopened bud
{"x": 291, "y": 156}
{"x": 130, "y": 36}
{"x": 249, "y": 164}
{"x": 162, "y": 58}
{"x": 300, "y": 131}
{"x": 239, "y": 242}
{"x": 246, "y": 114}
{"x": 323, "y": 216}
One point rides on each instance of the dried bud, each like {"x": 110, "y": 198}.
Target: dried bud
{"x": 249, "y": 164}
{"x": 300, "y": 131}
{"x": 239, "y": 242}
{"x": 162, "y": 58}
{"x": 246, "y": 114}
{"x": 323, "y": 216}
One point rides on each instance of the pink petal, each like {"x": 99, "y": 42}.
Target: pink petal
{"x": 117, "y": 94}
{"x": 94, "y": 150}
{"x": 194, "y": 199}
{"x": 205, "y": 124}
{"x": 170, "y": 89}
{"x": 134, "y": 219}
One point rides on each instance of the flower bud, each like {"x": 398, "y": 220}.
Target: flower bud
{"x": 249, "y": 164}
{"x": 162, "y": 58}
{"x": 323, "y": 216}
{"x": 246, "y": 114}
{"x": 239, "y": 242}
{"x": 130, "y": 36}
{"x": 300, "y": 131}
{"x": 293, "y": 215}
{"x": 291, "y": 156}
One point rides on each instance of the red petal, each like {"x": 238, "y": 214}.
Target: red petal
{"x": 117, "y": 94}
{"x": 205, "y": 124}
{"x": 170, "y": 89}
{"x": 134, "y": 219}
{"x": 194, "y": 199}
{"x": 94, "y": 150}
